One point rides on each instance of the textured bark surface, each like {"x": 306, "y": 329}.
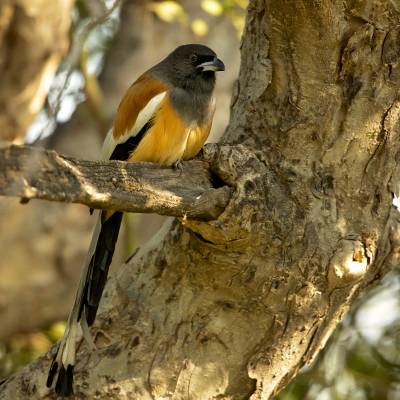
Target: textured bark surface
{"x": 231, "y": 309}
{"x": 188, "y": 192}
{"x": 34, "y": 36}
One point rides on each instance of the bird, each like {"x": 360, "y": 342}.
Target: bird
{"x": 164, "y": 117}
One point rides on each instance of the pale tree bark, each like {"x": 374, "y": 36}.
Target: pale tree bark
{"x": 188, "y": 192}
{"x": 34, "y": 36}
{"x": 231, "y": 309}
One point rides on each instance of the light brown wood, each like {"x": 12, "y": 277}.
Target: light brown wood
{"x": 31, "y": 173}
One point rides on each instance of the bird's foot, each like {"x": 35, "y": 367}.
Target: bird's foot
{"x": 178, "y": 165}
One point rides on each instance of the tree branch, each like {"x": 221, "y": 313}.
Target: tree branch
{"x": 30, "y": 172}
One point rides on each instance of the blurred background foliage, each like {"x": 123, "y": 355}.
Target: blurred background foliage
{"x": 107, "y": 51}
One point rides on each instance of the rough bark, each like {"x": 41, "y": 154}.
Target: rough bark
{"x": 232, "y": 308}
{"x": 34, "y": 36}
{"x": 31, "y": 173}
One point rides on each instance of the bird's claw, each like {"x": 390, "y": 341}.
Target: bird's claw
{"x": 178, "y": 165}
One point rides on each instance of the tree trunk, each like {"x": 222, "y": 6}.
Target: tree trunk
{"x": 34, "y": 36}
{"x": 231, "y": 309}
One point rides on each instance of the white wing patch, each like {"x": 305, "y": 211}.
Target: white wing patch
{"x": 143, "y": 117}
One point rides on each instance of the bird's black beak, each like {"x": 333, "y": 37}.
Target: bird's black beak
{"x": 215, "y": 65}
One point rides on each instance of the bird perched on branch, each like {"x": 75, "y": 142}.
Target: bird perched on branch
{"x": 164, "y": 117}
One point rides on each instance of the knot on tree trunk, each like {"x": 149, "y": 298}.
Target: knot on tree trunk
{"x": 252, "y": 204}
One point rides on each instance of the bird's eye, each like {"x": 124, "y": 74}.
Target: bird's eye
{"x": 193, "y": 58}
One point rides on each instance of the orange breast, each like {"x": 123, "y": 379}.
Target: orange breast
{"x": 199, "y": 134}
{"x": 196, "y": 139}
{"x": 170, "y": 139}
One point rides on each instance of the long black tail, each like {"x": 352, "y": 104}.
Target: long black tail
{"x": 98, "y": 267}
{"x": 90, "y": 289}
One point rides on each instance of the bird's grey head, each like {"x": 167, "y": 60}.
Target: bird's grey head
{"x": 190, "y": 67}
